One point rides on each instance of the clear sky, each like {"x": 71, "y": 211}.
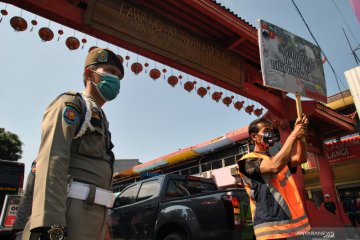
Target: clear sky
{"x": 149, "y": 118}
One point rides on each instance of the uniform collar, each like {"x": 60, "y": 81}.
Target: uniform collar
{"x": 94, "y": 106}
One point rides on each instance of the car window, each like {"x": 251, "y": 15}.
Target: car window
{"x": 148, "y": 189}
{"x": 172, "y": 191}
{"x": 189, "y": 186}
{"x": 127, "y": 197}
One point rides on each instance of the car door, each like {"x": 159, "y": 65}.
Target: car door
{"x": 145, "y": 209}
{"x": 122, "y": 214}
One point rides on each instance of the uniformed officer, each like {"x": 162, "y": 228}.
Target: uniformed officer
{"x": 75, "y": 163}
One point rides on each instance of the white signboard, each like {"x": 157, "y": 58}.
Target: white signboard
{"x": 353, "y": 79}
{"x": 291, "y": 63}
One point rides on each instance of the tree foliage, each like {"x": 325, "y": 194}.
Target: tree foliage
{"x": 10, "y": 146}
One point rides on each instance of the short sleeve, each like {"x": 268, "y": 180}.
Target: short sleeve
{"x": 250, "y": 167}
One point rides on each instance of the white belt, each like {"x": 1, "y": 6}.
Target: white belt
{"x": 80, "y": 191}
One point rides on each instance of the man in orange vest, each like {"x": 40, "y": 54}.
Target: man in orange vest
{"x": 276, "y": 206}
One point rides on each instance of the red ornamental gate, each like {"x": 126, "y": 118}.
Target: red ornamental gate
{"x": 198, "y": 37}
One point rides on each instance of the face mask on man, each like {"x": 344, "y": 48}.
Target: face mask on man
{"x": 109, "y": 86}
{"x": 269, "y": 138}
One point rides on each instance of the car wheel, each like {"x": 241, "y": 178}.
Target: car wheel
{"x": 175, "y": 236}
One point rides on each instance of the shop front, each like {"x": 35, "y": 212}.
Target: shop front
{"x": 343, "y": 178}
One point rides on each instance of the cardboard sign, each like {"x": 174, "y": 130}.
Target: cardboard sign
{"x": 291, "y": 63}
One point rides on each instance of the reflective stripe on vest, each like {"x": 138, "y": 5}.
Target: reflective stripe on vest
{"x": 283, "y": 188}
{"x": 285, "y": 233}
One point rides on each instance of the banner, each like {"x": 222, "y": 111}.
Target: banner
{"x": 291, "y": 63}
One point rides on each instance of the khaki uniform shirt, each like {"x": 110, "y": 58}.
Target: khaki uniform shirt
{"x": 62, "y": 158}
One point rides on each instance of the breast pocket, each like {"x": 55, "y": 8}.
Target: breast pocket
{"x": 93, "y": 144}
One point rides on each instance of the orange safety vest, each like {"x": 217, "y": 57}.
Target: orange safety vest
{"x": 276, "y": 207}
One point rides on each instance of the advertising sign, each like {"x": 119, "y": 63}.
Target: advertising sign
{"x": 344, "y": 150}
{"x": 8, "y": 213}
{"x": 291, "y": 63}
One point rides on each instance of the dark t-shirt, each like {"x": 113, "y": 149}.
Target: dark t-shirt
{"x": 330, "y": 206}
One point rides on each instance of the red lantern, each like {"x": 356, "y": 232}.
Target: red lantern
{"x": 164, "y": 71}
{"x": 155, "y": 73}
{"x": 208, "y": 88}
{"x": 249, "y": 109}
{"x": 180, "y": 77}
{"x": 201, "y": 91}
{"x": 216, "y": 96}
{"x": 120, "y": 58}
{"x": 34, "y": 23}
{"x": 18, "y": 24}
{"x": 173, "y": 80}
{"x": 92, "y": 48}
{"x": 46, "y": 34}
{"x": 258, "y": 112}
{"x": 189, "y": 86}
{"x": 84, "y": 41}
{"x": 146, "y": 65}
{"x": 60, "y": 32}
{"x": 136, "y": 67}
{"x": 238, "y": 105}
{"x": 4, "y": 13}
{"x": 127, "y": 58}
{"x": 227, "y": 101}
{"x": 72, "y": 43}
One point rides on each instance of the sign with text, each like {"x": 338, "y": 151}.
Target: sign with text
{"x": 8, "y": 213}
{"x": 291, "y": 63}
{"x": 130, "y": 22}
{"x": 344, "y": 150}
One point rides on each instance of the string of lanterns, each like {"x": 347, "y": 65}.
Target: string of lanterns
{"x": 19, "y": 24}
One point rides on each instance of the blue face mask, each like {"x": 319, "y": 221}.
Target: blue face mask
{"x": 109, "y": 86}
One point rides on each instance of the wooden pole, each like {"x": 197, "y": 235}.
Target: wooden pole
{"x": 298, "y": 105}
{"x": 299, "y": 110}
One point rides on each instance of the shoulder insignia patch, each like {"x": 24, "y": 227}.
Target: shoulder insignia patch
{"x": 73, "y": 105}
{"x": 70, "y": 115}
